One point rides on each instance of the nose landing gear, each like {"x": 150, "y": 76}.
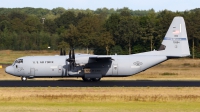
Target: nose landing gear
{"x": 23, "y": 78}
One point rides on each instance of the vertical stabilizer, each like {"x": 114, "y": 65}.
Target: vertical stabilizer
{"x": 175, "y": 43}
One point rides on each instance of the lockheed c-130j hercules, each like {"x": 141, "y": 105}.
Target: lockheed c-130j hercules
{"x": 94, "y": 67}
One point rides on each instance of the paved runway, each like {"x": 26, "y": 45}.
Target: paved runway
{"x": 103, "y": 83}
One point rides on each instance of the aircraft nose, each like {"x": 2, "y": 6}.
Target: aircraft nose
{"x": 9, "y": 70}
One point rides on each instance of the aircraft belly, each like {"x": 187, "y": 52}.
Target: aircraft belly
{"x": 152, "y": 61}
{"x": 130, "y": 65}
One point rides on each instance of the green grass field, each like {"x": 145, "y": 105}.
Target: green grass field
{"x": 98, "y": 99}
{"x": 100, "y": 106}
{"x": 146, "y": 99}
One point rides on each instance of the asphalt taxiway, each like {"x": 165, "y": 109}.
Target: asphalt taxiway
{"x": 103, "y": 83}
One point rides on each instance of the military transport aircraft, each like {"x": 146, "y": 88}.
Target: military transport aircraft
{"x": 94, "y": 67}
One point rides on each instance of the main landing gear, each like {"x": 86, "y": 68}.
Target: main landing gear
{"x": 23, "y": 78}
{"x": 91, "y": 79}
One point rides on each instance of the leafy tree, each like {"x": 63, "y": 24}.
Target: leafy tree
{"x": 89, "y": 28}
{"x": 106, "y": 41}
{"x": 33, "y": 24}
{"x": 164, "y": 20}
{"x": 63, "y": 45}
{"x": 71, "y": 35}
{"x": 65, "y": 20}
{"x": 138, "y": 48}
{"x": 80, "y": 16}
{"x": 18, "y": 25}
{"x": 193, "y": 26}
{"x": 147, "y": 29}
{"x": 111, "y": 25}
{"x": 50, "y": 26}
{"x": 58, "y": 11}
{"x": 125, "y": 12}
{"x": 99, "y": 50}
{"x": 4, "y": 25}
{"x": 116, "y": 50}
{"x": 21, "y": 16}
{"x": 128, "y": 30}
{"x": 112, "y": 31}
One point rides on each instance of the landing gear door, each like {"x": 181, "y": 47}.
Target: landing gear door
{"x": 115, "y": 69}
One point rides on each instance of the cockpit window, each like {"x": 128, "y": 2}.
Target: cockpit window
{"x": 18, "y": 61}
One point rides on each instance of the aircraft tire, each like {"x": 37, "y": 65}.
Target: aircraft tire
{"x": 91, "y": 79}
{"x": 23, "y": 78}
{"x": 96, "y": 79}
{"x": 86, "y": 79}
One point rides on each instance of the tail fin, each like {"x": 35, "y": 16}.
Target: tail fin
{"x": 175, "y": 43}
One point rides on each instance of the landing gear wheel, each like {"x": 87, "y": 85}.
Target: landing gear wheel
{"x": 91, "y": 79}
{"x": 86, "y": 79}
{"x": 23, "y": 78}
{"x": 96, "y": 79}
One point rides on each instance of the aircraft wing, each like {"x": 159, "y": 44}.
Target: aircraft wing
{"x": 100, "y": 57}
{"x": 92, "y": 58}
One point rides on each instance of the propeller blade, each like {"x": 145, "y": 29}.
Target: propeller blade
{"x": 61, "y": 52}
{"x": 74, "y": 63}
{"x": 64, "y": 52}
{"x": 73, "y": 58}
{"x": 73, "y": 55}
{"x": 69, "y": 65}
{"x": 70, "y": 55}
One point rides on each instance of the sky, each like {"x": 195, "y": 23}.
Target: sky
{"x": 157, "y": 5}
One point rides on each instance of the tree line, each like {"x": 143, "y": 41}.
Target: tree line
{"x": 105, "y": 31}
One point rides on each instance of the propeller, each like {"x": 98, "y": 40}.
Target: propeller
{"x": 62, "y": 52}
{"x": 71, "y": 59}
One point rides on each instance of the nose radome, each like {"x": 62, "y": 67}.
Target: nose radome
{"x": 9, "y": 70}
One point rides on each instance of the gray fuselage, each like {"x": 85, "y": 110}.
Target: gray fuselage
{"x": 57, "y": 66}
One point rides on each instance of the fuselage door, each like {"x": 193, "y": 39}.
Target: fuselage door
{"x": 32, "y": 72}
{"x": 115, "y": 69}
